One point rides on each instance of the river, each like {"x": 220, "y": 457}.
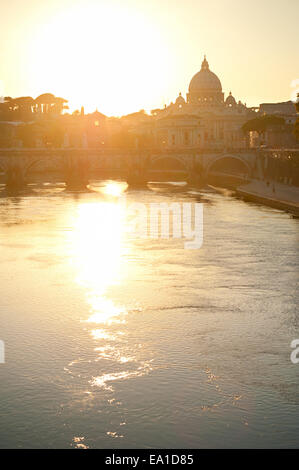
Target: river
{"x": 112, "y": 340}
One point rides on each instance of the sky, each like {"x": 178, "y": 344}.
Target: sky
{"x": 120, "y": 56}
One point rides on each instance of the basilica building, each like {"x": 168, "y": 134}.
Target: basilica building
{"x": 205, "y": 119}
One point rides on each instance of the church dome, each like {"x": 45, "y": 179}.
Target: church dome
{"x": 230, "y": 100}
{"x": 205, "y": 80}
{"x": 180, "y": 100}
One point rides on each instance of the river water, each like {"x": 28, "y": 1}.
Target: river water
{"x": 112, "y": 340}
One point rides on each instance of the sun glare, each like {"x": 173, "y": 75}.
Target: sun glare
{"x": 114, "y": 189}
{"x": 101, "y": 56}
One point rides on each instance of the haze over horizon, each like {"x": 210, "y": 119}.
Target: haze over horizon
{"x": 120, "y": 57}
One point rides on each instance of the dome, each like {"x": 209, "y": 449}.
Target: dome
{"x": 180, "y": 100}
{"x": 205, "y": 80}
{"x": 230, "y": 100}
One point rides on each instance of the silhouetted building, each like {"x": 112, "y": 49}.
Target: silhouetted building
{"x": 204, "y": 119}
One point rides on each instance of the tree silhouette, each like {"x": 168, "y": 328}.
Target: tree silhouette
{"x": 48, "y": 103}
{"x": 23, "y": 107}
{"x": 262, "y": 123}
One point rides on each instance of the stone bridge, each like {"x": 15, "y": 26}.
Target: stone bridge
{"x": 76, "y": 166}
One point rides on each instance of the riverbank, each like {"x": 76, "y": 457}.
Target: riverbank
{"x": 276, "y": 195}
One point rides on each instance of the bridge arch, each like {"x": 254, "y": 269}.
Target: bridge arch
{"x": 232, "y": 164}
{"x": 55, "y": 164}
{"x": 168, "y": 163}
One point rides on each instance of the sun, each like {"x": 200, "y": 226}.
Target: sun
{"x": 101, "y": 55}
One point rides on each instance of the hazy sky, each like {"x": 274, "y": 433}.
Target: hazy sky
{"x": 124, "y": 55}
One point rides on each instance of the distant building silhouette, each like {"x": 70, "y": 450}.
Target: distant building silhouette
{"x": 204, "y": 119}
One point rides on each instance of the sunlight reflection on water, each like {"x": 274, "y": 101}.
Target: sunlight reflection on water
{"x": 98, "y": 255}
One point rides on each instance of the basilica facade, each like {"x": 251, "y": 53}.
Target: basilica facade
{"x": 205, "y": 119}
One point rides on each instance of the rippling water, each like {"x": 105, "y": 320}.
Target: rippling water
{"x": 114, "y": 341}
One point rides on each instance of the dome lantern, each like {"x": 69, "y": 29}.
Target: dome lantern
{"x": 205, "y": 87}
{"x": 205, "y": 64}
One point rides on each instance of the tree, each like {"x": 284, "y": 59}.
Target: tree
{"x": 48, "y": 103}
{"x": 24, "y": 106}
{"x": 262, "y": 123}
{"x": 44, "y": 102}
{"x": 16, "y": 108}
{"x": 7, "y": 107}
{"x": 60, "y": 105}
